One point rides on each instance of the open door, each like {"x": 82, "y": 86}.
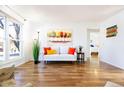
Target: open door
{"x": 93, "y": 44}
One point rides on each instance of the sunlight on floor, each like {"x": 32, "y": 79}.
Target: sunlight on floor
{"x": 94, "y": 59}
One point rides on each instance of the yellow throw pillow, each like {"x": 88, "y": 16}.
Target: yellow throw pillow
{"x": 50, "y": 52}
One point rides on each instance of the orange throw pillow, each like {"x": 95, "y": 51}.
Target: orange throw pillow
{"x": 49, "y": 52}
{"x": 45, "y": 50}
{"x": 71, "y": 51}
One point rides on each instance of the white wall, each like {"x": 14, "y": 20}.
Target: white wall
{"x": 79, "y": 32}
{"x": 111, "y": 50}
{"x": 27, "y": 41}
{"x": 26, "y": 56}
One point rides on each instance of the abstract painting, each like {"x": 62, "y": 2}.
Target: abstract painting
{"x": 59, "y": 36}
{"x": 111, "y": 31}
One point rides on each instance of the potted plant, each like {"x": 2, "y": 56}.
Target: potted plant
{"x": 80, "y": 49}
{"x": 36, "y": 51}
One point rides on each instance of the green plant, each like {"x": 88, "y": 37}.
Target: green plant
{"x": 36, "y": 51}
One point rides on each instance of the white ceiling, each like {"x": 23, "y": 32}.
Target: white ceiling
{"x": 82, "y": 13}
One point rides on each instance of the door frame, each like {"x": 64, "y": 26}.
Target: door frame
{"x": 88, "y": 40}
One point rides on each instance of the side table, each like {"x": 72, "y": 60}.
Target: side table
{"x": 80, "y": 57}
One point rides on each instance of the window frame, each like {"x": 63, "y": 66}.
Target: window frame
{"x": 6, "y": 38}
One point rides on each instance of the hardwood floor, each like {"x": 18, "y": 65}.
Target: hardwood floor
{"x": 92, "y": 73}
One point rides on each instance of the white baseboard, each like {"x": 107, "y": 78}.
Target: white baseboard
{"x": 112, "y": 64}
{"x": 15, "y": 62}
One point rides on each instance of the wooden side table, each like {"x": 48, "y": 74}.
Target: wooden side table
{"x": 80, "y": 57}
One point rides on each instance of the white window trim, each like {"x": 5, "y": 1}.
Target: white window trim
{"x": 6, "y": 43}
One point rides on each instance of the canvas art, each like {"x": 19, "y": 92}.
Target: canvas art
{"x": 59, "y": 36}
{"x": 111, "y": 31}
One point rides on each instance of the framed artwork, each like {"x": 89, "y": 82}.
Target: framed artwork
{"x": 59, "y": 36}
{"x": 111, "y": 31}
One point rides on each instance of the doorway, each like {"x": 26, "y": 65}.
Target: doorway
{"x": 93, "y": 44}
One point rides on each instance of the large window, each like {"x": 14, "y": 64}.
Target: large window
{"x": 10, "y": 38}
{"x": 2, "y": 38}
{"x": 14, "y": 39}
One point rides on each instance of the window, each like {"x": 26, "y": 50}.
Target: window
{"x": 14, "y": 39}
{"x": 2, "y": 38}
{"x": 10, "y": 38}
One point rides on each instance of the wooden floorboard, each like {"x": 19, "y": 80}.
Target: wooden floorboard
{"x": 89, "y": 74}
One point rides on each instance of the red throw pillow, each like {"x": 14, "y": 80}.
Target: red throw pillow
{"x": 71, "y": 51}
{"x": 45, "y": 50}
